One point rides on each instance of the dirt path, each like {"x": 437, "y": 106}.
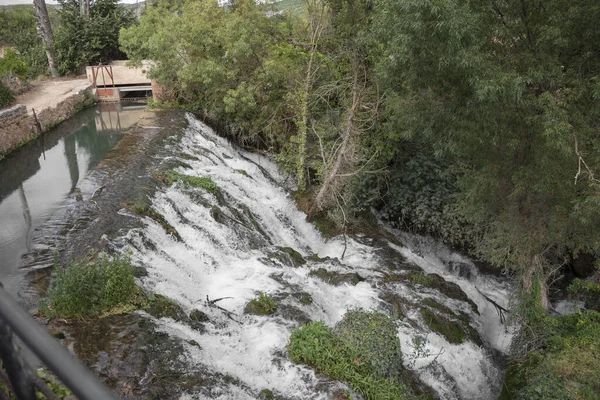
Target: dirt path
{"x": 47, "y": 94}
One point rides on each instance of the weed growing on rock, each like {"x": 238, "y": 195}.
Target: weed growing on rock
{"x": 262, "y": 305}
{"x": 205, "y": 183}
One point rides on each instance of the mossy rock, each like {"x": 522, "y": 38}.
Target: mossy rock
{"x": 451, "y": 330}
{"x": 160, "y": 306}
{"x": 303, "y": 298}
{"x": 188, "y": 157}
{"x": 144, "y": 209}
{"x": 288, "y": 256}
{"x": 375, "y": 337}
{"x": 243, "y": 172}
{"x": 217, "y": 214}
{"x": 266, "y": 394}
{"x": 170, "y": 177}
{"x": 316, "y": 258}
{"x": 398, "y": 304}
{"x": 451, "y": 290}
{"x": 336, "y": 278}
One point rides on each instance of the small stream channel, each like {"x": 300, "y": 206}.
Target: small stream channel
{"x": 69, "y": 194}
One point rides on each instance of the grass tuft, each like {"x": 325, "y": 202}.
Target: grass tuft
{"x": 170, "y": 177}
{"x": 89, "y": 288}
{"x": 262, "y": 305}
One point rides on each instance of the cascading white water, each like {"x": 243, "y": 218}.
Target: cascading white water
{"x": 233, "y": 260}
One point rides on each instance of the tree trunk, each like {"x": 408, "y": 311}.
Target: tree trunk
{"x": 332, "y": 174}
{"x": 45, "y": 32}
{"x": 84, "y": 7}
{"x": 316, "y": 19}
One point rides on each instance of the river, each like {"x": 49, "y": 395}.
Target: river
{"x": 234, "y": 243}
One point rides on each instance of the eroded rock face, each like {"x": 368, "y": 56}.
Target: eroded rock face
{"x": 17, "y": 128}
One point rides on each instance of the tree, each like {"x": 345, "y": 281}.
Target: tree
{"x": 508, "y": 90}
{"x": 46, "y": 33}
{"x": 82, "y": 40}
{"x": 84, "y": 8}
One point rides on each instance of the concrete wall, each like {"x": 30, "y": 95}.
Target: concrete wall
{"x": 16, "y": 127}
{"x": 122, "y": 75}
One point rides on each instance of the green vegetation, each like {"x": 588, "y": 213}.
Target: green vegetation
{"x": 421, "y": 279}
{"x": 88, "y": 40}
{"x": 362, "y": 351}
{"x": 261, "y": 305}
{"x": 88, "y": 288}
{"x": 566, "y": 365}
{"x": 6, "y": 97}
{"x": 205, "y": 183}
{"x": 18, "y": 29}
{"x": 12, "y": 64}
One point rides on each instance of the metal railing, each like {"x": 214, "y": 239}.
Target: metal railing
{"x": 20, "y": 378}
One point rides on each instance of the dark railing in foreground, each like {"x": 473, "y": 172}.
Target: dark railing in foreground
{"x": 73, "y": 374}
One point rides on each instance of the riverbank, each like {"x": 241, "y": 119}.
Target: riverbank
{"x": 51, "y": 102}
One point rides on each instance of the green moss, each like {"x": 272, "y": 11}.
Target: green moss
{"x": 336, "y": 278}
{"x": 262, "y": 305}
{"x": 170, "y": 177}
{"x": 451, "y": 330}
{"x": 289, "y": 256}
{"x": 241, "y": 171}
{"x": 188, "y": 157}
{"x": 160, "y": 306}
{"x": 266, "y": 394}
{"x": 305, "y": 299}
{"x": 320, "y": 347}
{"x": 141, "y": 207}
{"x": 316, "y": 258}
{"x": 440, "y": 307}
{"x": 421, "y": 279}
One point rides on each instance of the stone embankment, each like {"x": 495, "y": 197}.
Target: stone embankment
{"x": 53, "y": 101}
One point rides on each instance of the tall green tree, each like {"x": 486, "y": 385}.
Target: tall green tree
{"x": 83, "y": 39}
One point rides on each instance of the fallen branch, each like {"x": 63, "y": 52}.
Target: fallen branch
{"x": 499, "y": 309}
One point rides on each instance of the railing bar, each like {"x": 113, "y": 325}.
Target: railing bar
{"x": 76, "y": 376}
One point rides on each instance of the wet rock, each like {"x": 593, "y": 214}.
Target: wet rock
{"x": 451, "y": 290}
{"x": 451, "y": 330}
{"x": 461, "y": 269}
{"x": 266, "y": 394}
{"x": 292, "y": 313}
{"x": 451, "y": 320}
{"x": 337, "y": 278}
{"x": 161, "y": 307}
{"x": 197, "y": 319}
{"x": 303, "y": 298}
{"x": 288, "y": 256}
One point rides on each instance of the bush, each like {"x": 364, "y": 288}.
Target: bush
{"x": 89, "y": 288}
{"x": 11, "y": 64}
{"x": 6, "y": 97}
{"x": 361, "y": 351}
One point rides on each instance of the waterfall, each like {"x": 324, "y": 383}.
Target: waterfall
{"x": 231, "y": 248}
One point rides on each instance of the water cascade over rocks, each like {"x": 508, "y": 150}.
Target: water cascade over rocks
{"x": 246, "y": 236}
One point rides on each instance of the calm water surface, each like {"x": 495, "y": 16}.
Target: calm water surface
{"x": 37, "y": 180}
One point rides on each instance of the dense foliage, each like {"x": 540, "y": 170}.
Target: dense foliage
{"x": 6, "y": 97}
{"x": 88, "y": 40}
{"x": 18, "y": 29}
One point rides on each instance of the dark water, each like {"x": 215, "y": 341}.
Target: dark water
{"x": 37, "y": 180}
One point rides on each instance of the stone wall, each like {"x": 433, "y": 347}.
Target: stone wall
{"x": 16, "y": 127}
{"x": 52, "y": 116}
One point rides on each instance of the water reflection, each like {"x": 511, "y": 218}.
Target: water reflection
{"x": 36, "y": 180}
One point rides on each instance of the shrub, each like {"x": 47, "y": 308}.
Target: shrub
{"x": 357, "y": 357}
{"x": 6, "y": 97}
{"x": 11, "y": 64}
{"x": 89, "y": 288}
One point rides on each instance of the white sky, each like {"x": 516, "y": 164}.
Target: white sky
{"x": 7, "y": 2}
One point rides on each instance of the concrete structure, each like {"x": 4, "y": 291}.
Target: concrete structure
{"x": 116, "y": 81}
{"x": 16, "y": 128}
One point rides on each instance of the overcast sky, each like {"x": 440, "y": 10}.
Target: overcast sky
{"x": 7, "y": 2}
